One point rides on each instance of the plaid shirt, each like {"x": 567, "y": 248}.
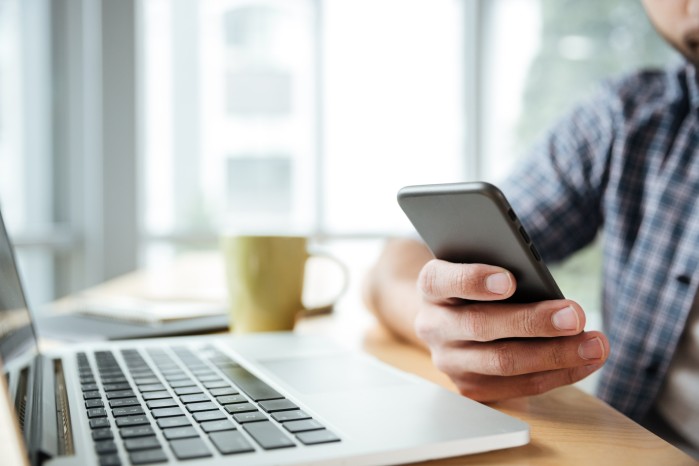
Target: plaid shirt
{"x": 626, "y": 164}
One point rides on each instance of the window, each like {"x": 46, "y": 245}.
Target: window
{"x": 230, "y": 117}
{"x": 63, "y": 193}
{"x": 545, "y": 55}
{"x": 25, "y": 141}
{"x": 296, "y": 114}
{"x": 393, "y": 107}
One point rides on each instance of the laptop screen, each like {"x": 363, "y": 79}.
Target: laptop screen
{"x": 17, "y": 338}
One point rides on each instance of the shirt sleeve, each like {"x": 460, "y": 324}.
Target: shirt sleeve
{"x": 557, "y": 189}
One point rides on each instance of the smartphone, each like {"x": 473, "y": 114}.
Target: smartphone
{"x": 473, "y": 223}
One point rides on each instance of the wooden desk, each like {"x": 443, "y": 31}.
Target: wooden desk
{"x": 568, "y": 426}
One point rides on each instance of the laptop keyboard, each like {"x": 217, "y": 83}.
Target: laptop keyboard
{"x": 192, "y": 406}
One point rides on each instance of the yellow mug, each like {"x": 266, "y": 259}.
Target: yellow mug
{"x": 265, "y": 279}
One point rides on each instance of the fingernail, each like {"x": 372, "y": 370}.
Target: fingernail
{"x": 566, "y": 319}
{"x": 591, "y": 349}
{"x": 498, "y": 283}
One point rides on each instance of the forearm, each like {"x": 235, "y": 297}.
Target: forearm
{"x": 390, "y": 288}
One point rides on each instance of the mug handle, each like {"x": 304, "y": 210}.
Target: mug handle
{"x": 327, "y": 307}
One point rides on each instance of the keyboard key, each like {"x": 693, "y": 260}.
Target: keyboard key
{"x": 127, "y": 411}
{"x": 91, "y": 395}
{"x": 240, "y": 408}
{"x": 165, "y": 364}
{"x": 231, "y": 399}
{"x": 284, "y": 416}
{"x": 230, "y": 442}
{"x": 209, "y": 416}
{"x": 272, "y": 406}
{"x": 302, "y": 426}
{"x": 180, "y": 432}
{"x": 151, "y": 387}
{"x": 138, "y": 431}
{"x": 102, "y": 434}
{"x": 122, "y": 402}
{"x": 89, "y": 387}
{"x": 250, "y": 384}
{"x": 216, "y": 426}
{"x": 209, "y": 377}
{"x": 145, "y": 380}
{"x": 168, "y": 422}
{"x": 242, "y": 418}
{"x": 223, "y": 391}
{"x": 163, "y": 403}
{"x": 317, "y": 436}
{"x": 104, "y": 447}
{"x": 132, "y": 421}
{"x": 120, "y": 394}
{"x": 117, "y": 379}
{"x": 268, "y": 435}
{"x": 189, "y": 448}
{"x": 187, "y": 390}
{"x": 109, "y": 377}
{"x": 96, "y": 412}
{"x": 148, "y": 456}
{"x": 196, "y": 398}
{"x": 167, "y": 412}
{"x": 110, "y": 460}
{"x": 156, "y": 395}
{"x": 204, "y": 406}
{"x": 94, "y": 403}
{"x": 110, "y": 387}
{"x": 108, "y": 369}
{"x": 99, "y": 422}
{"x": 182, "y": 383}
{"x": 216, "y": 384}
{"x": 141, "y": 443}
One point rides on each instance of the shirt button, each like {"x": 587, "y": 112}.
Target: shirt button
{"x": 652, "y": 370}
{"x": 684, "y": 279}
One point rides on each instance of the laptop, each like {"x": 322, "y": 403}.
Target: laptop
{"x": 261, "y": 399}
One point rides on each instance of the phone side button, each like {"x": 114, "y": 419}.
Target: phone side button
{"x": 535, "y": 252}
{"x": 524, "y": 234}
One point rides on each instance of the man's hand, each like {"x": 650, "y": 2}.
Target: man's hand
{"x": 493, "y": 350}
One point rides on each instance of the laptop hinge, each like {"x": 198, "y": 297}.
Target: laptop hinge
{"x": 43, "y": 435}
{"x": 22, "y": 400}
{"x": 64, "y": 427}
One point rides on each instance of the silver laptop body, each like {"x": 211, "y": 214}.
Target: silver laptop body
{"x": 262, "y": 399}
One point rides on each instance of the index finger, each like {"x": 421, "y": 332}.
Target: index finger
{"x": 441, "y": 281}
{"x": 482, "y": 322}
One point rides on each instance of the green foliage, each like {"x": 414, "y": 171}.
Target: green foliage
{"x": 583, "y": 42}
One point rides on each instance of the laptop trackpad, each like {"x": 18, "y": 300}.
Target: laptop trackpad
{"x": 332, "y": 373}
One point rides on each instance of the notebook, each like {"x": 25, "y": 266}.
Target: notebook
{"x": 81, "y": 327}
{"x": 273, "y": 398}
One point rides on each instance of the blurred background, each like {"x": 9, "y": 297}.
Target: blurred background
{"x": 132, "y": 131}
